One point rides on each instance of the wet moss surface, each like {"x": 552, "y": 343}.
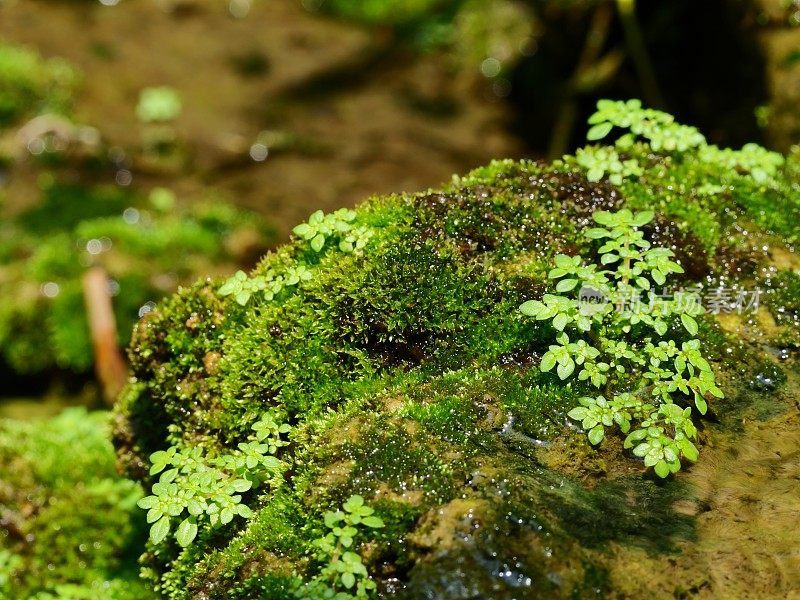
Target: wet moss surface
{"x": 409, "y": 377}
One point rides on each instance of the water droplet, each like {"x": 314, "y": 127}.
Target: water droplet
{"x": 146, "y": 308}
{"x": 50, "y": 289}
{"x": 259, "y": 152}
{"x": 130, "y": 215}
{"x": 94, "y": 246}
{"x": 491, "y": 67}
{"x": 123, "y": 177}
{"x": 36, "y": 146}
{"x": 239, "y": 9}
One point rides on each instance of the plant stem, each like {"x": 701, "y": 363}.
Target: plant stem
{"x": 638, "y": 50}
{"x": 590, "y": 55}
{"x": 626, "y": 263}
{"x": 110, "y": 367}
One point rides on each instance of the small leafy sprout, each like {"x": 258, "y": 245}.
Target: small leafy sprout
{"x": 761, "y": 164}
{"x": 647, "y": 383}
{"x": 242, "y": 287}
{"x": 209, "y": 489}
{"x": 269, "y": 430}
{"x": 657, "y": 127}
{"x": 320, "y": 229}
{"x": 337, "y": 226}
{"x": 344, "y": 576}
{"x": 601, "y": 161}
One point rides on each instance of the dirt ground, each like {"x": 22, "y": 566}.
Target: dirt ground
{"x": 343, "y": 112}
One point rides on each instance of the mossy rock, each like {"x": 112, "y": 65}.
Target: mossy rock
{"x": 69, "y": 526}
{"x": 410, "y": 378}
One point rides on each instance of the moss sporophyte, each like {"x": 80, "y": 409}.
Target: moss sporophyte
{"x": 650, "y": 380}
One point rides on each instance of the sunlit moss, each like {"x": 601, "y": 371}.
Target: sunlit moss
{"x": 409, "y": 377}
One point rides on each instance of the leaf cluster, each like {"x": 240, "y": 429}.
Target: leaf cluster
{"x": 344, "y": 576}
{"x": 663, "y": 135}
{"x": 761, "y": 164}
{"x": 603, "y": 161}
{"x": 336, "y": 226}
{"x": 657, "y": 127}
{"x": 242, "y": 287}
{"x": 320, "y": 229}
{"x": 209, "y": 489}
{"x": 648, "y": 383}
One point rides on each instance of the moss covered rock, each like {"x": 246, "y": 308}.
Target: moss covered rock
{"x": 69, "y": 526}
{"x": 390, "y": 340}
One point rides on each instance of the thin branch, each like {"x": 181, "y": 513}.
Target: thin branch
{"x": 110, "y": 367}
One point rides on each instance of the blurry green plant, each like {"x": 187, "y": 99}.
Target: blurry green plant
{"x": 31, "y": 85}
{"x": 344, "y": 576}
{"x": 70, "y": 521}
{"x": 209, "y": 488}
{"x": 158, "y": 105}
{"x": 384, "y": 12}
{"x": 147, "y": 248}
{"x": 648, "y": 380}
{"x": 484, "y": 37}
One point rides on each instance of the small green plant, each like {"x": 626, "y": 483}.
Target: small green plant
{"x": 158, "y": 104}
{"x": 335, "y": 226}
{"x": 648, "y": 383}
{"x": 211, "y": 488}
{"x": 600, "y": 161}
{"x": 320, "y": 229}
{"x": 763, "y": 165}
{"x": 663, "y": 135}
{"x": 242, "y": 287}
{"x": 344, "y": 576}
{"x": 657, "y": 127}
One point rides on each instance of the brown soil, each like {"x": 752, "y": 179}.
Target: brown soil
{"x": 349, "y": 115}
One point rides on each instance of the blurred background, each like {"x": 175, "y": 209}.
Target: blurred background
{"x": 152, "y": 142}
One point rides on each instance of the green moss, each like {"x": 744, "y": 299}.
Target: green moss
{"x": 70, "y": 523}
{"x": 783, "y": 298}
